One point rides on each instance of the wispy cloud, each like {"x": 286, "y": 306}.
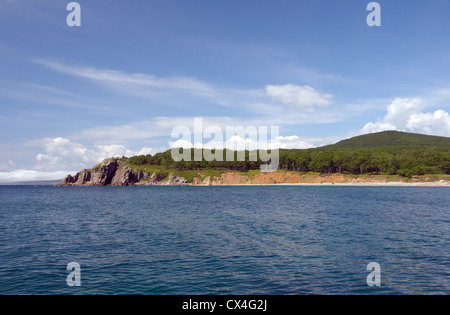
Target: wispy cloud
{"x": 283, "y": 100}
{"x": 48, "y": 95}
{"x": 161, "y": 127}
{"x": 137, "y": 84}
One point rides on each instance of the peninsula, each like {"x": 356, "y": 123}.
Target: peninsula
{"x": 385, "y": 158}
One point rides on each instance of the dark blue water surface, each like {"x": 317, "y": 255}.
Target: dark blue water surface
{"x": 224, "y": 240}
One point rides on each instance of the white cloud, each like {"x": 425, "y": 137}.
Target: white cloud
{"x": 63, "y": 154}
{"x": 377, "y": 127}
{"x": 406, "y": 114}
{"x": 401, "y": 109}
{"x": 31, "y": 175}
{"x": 298, "y": 96}
{"x": 433, "y": 123}
{"x": 288, "y": 138}
{"x": 293, "y": 142}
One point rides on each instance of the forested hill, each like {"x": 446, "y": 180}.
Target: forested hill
{"x": 390, "y": 139}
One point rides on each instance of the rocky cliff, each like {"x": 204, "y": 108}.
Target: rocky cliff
{"x": 114, "y": 172}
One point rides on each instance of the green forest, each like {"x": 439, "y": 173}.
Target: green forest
{"x": 390, "y": 153}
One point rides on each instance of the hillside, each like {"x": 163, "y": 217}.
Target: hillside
{"x": 390, "y": 139}
{"x": 388, "y": 154}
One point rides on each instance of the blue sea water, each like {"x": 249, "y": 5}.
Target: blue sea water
{"x": 224, "y": 240}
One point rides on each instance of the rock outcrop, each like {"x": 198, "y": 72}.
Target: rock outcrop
{"x": 114, "y": 172}
{"x": 156, "y": 180}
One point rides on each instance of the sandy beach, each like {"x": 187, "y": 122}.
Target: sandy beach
{"x": 368, "y": 184}
{"x": 302, "y": 179}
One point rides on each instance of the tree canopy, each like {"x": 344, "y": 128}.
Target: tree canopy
{"x": 405, "y": 161}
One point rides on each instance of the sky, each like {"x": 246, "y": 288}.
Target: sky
{"x": 118, "y": 84}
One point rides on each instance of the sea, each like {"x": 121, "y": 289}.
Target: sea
{"x": 233, "y": 240}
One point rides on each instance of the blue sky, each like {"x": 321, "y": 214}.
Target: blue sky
{"x": 133, "y": 70}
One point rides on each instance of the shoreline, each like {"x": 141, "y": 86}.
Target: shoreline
{"x": 325, "y": 184}
{"x": 367, "y": 184}
{"x": 114, "y": 172}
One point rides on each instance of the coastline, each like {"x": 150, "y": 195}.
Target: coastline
{"x": 361, "y": 184}
{"x": 113, "y": 172}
